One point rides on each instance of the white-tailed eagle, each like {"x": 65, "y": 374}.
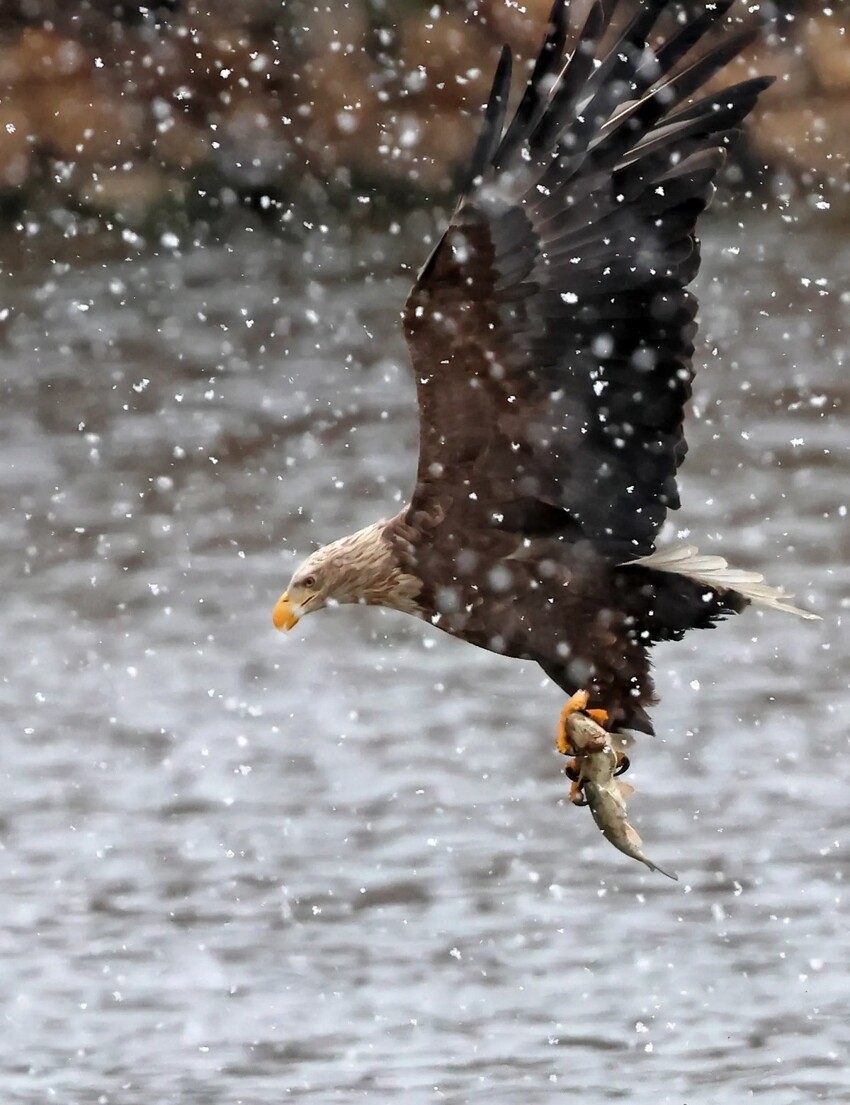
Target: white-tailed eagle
{"x": 551, "y": 337}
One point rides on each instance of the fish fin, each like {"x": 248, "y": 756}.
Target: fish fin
{"x": 626, "y": 789}
{"x": 621, "y": 742}
{"x": 634, "y": 839}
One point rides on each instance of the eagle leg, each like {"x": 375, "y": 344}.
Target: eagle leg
{"x": 576, "y": 703}
{"x": 573, "y": 773}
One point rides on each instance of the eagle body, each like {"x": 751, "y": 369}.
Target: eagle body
{"x": 585, "y": 619}
{"x": 551, "y": 340}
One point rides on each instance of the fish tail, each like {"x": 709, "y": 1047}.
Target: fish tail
{"x": 654, "y": 867}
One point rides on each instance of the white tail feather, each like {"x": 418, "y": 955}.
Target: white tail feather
{"x": 714, "y": 572}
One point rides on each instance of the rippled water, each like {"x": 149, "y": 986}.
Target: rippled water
{"x": 238, "y": 867}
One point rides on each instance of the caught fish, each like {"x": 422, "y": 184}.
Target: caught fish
{"x": 594, "y": 777}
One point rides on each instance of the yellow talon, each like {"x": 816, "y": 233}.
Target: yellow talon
{"x": 575, "y": 702}
{"x": 573, "y": 773}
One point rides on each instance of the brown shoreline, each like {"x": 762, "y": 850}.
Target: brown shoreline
{"x": 126, "y": 116}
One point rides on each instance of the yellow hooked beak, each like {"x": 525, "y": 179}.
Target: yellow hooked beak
{"x": 283, "y": 615}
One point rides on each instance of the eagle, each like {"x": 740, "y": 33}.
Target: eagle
{"x": 551, "y": 334}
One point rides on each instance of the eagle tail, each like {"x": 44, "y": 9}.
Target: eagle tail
{"x": 714, "y": 572}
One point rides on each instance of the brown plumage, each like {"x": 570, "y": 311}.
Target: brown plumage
{"x": 551, "y": 338}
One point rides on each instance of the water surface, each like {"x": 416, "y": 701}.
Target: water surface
{"x": 242, "y": 868}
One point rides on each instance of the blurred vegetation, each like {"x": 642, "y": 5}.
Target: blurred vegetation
{"x": 127, "y": 112}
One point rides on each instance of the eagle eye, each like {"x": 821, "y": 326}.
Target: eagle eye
{"x": 308, "y": 581}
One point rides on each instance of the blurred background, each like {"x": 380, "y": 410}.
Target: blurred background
{"x": 240, "y": 868}
{"x": 130, "y": 111}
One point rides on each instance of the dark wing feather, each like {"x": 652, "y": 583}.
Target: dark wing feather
{"x": 494, "y": 121}
{"x": 546, "y": 68}
{"x": 551, "y": 331}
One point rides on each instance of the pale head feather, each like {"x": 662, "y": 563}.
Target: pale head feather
{"x": 361, "y": 567}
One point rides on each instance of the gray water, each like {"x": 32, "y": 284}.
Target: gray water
{"x": 339, "y": 865}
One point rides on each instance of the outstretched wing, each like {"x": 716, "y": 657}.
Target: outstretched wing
{"x": 551, "y": 332}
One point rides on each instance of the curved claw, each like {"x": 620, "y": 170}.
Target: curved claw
{"x": 573, "y": 772}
